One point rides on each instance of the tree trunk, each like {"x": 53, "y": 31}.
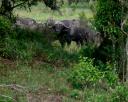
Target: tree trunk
{"x": 127, "y": 58}
{"x": 122, "y": 60}
{"x": 6, "y": 8}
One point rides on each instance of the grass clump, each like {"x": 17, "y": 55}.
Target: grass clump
{"x": 120, "y": 94}
{"x": 5, "y": 27}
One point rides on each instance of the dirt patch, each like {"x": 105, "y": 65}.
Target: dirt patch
{"x": 43, "y": 97}
{"x": 7, "y": 62}
{"x": 5, "y": 65}
{"x": 38, "y": 60}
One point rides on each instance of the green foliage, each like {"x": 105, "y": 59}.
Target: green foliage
{"x": 84, "y": 74}
{"x": 108, "y": 14}
{"x": 110, "y": 75}
{"x": 87, "y": 51}
{"x": 19, "y": 45}
{"x": 108, "y": 21}
{"x": 120, "y": 94}
{"x": 7, "y": 6}
{"x": 4, "y": 99}
{"x": 74, "y": 94}
{"x": 5, "y": 27}
{"x": 6, "y": 44}
{"x": 14, "y": 49}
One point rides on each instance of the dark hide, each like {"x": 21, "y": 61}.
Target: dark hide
{"x": 67, "y": 23}
{"x": 80, "y": 35}
{"x": 63, "y": 35}
{"x": 25, "y": 21}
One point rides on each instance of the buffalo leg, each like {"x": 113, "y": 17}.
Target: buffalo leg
{"x": 62, "y": 43}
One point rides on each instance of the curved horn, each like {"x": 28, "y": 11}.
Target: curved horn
{"x": 59, "y": 22}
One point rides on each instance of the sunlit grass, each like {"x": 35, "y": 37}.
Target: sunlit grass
{"x": 41, "y": 13}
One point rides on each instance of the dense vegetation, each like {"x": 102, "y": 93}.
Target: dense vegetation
{"x": 34, "y": 67}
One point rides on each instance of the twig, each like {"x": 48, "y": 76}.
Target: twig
{"x": 124, "y": 21}
{"x": 16, "y": 87}
{"x": 18, "y": 4}
{"x": 124, "y": 32}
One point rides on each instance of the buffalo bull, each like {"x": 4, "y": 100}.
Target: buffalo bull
{"x": 63, "y": 32}
{"x": 71, "y": 31}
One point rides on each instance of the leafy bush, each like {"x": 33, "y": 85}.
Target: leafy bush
{"x": 75, "y": 94}
{"x": 2, "y": 99}
{"x": 5, "y": 27}
{"x": 18, "y": 43}
{"x": 120, "y": 94}
{"x": 87, "y": 51}
{"x": 8, "y": 48}
{"x": 16, "y": 49}
{"x": 110, "y": 75}
{"x": 6, "y": 44}
{"x": 84, "y": 73}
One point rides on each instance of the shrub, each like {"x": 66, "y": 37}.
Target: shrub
{"x": 87, "y": 51}
{"x": 7, "y": 45}
{"x": 5, "y": 99}
{"x": 20, "y": 44}
{"x": 110, "y": 75}
{"x": 120, "y": 94}
{"x": 16, "y": 49}
{"x": 5, "y": 27}
{"x": 75, "y": 94}
{"x": 84, "y": 74}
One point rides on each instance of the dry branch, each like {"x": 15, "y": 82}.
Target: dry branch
{"x": 16, "y": 87}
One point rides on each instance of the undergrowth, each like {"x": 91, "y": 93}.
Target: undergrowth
{"x": 27, "y": 58}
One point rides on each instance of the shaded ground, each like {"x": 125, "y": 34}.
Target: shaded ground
{"x": 36, "y": 89}
{"x": 43, "y": 95}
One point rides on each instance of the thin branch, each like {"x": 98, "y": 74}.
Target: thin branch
{"x": 16, "y": 87}
{"x": 19, "y": 4}
{"x": 124, "y": 21}
{"x": 124, "y": 32}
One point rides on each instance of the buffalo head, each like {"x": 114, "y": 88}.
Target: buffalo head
{"x": 60, "y": 27}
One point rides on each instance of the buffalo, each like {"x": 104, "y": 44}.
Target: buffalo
{"x": 63, "y": 33}
{"x": 70, "y": 30}
{"x": 26, "y": 23}
{"x": 29, "y": 23}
